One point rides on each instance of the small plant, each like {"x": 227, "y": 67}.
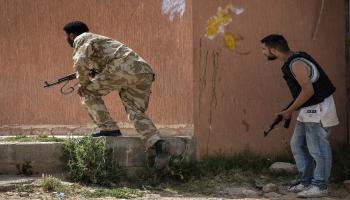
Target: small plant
{"x": 25, "y": 168}
{"x": 125, "y": 193}
{"x": 25, "y": 188}
{"x": 90, "y": 162}
{"x": 52, "y": 184}
{"x": 180, "y": 170}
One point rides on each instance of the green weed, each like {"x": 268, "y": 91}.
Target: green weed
{"x": 89, "y": 161}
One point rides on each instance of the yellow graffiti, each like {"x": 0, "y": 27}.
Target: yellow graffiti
{"x": 217, "y": 23}
{"x": 230, "y": 41}
{"x": 222, "y": 18}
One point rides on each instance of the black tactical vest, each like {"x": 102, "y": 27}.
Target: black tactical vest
{"x": 323, "y": 87}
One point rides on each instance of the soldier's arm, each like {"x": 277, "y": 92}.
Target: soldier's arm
{"x": 81, "y": 58}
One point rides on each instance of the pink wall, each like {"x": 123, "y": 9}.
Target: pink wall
{"x": 33, "y": 49}
{"x": 235, "y": 95}
{"x": 229, "y": 96}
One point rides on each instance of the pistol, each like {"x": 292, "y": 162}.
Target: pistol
{"x": 277, "y": 120}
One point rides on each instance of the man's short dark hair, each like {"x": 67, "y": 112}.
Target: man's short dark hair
{"x": 76, "y": 27}
{"x": 276, "y": 41}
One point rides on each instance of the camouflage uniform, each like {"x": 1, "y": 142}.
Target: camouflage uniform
{"x": 118, "y": 68}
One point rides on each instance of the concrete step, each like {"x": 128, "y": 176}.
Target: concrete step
{"x": 8, "y": 183}
{"x": 126, "y": 128}
{"x": 37, "y": 158}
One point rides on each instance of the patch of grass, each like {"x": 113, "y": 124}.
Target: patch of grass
{"x": 207, "y": 176}
{"x": 39, "y": 138}
{"x": 125, "y": 193}
{"x": 18, "y": 138}
{"x": 212, "y": 166}
{"x": 245, "y": 161}
{"x": 25, "y": 188}
{"x": 279, "y": 176}
{"x": 89, "y": 161}
{"x": 203, "y": 186}
{"x": 241, "y": 168}
{"x": 283, "y": 157}
{"x": 53, "y": 184}
{"x": 236, "y": 168}
{"x": 46, "y": 138}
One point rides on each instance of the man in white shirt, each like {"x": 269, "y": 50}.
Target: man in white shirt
{"x": 312, "y": 92}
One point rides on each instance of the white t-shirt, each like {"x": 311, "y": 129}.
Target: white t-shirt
{"x": 324, "y": 113}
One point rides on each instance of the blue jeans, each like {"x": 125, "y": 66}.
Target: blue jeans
{"x": 312, "y": 153}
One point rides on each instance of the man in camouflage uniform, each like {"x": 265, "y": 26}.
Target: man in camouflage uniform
{"x": 118, "y": 68}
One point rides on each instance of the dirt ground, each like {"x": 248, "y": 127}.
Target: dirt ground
{"x": 9, "y": 190}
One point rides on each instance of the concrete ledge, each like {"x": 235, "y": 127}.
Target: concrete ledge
{"x": 8, "y": 183}
{"x": 130, "y": 152}
{"x": 45, "y": 157}
{"x": 126, "y": 128}
{"x": 30, "y": 158}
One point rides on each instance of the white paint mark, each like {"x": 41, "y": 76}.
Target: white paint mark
{"x": 237, "y": 11}
{"x": 128, "y": 151}
{"x": 173, "y": 7}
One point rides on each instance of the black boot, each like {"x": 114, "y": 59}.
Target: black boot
{"x": 107, "y": 133}
{"x": 162, "y": 154}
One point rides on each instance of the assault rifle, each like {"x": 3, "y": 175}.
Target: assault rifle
{"x": 277, "y": 120}
{"x": 60, "y": 80}
{"x": 65, "y": 80}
